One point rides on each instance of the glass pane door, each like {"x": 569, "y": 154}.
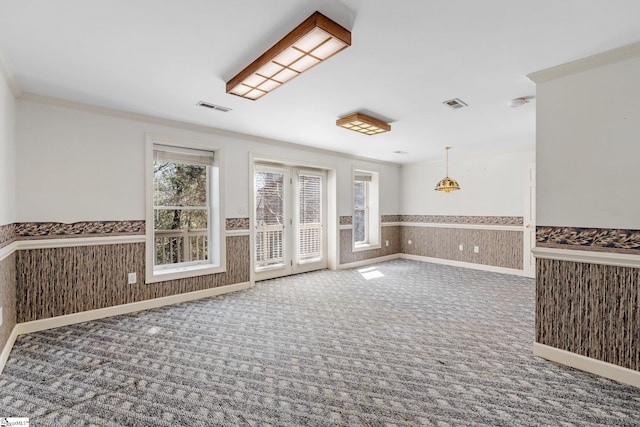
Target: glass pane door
{"x": 270, "y": 217}
{"x": 289, "y": 233}
{"x": 310, "y": 236}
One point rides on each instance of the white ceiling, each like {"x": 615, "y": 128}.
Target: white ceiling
{"x": 160, "y": 57}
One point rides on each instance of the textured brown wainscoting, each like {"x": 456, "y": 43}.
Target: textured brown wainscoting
{"x": 589, "y": 309}
{"x": 346, "y": 220}
{"x": 62, "y": 230}
{"x": 391, "y": 233}
{"x": 462, "y": 219}
{"x": 7, "y": 234}
{"x": 499, "y": 248}
{"x": 589, "y": 239}
{"x": 58, "y": 281}
{"x": 237, "y": 223}
{"x": 7, "y": 297}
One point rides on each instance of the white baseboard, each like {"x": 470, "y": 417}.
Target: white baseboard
{"x": 4, "y": 356}
{"x": 463, "y": 264}
{"x": 483, "y": 267}
{"x": 594, "y": 366}
{"x": 368, "y": 261}
{"x": 85, "y": 316}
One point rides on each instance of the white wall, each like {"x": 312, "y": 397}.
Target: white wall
{"x": 7, "y": 154}
{"x": 75, "y": 165}
{"x": 491, "y": 185}
{"x": 588, "y": 148}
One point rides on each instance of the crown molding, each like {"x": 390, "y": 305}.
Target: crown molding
{"x": 584, "y": 64}
{"x": 9, "y": 78}
{"x": 73, "y": 105}
{"x": 475, "y": 156}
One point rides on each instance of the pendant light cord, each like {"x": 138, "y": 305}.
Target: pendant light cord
{"x": 447, "y": 150}
{"x": 447, "y": 161}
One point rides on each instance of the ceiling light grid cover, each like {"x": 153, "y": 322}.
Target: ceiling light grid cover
{"x": 315, "y": 40}
{"x": 362, "y": 123}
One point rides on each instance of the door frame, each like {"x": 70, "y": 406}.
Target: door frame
{"x": 329, "y": 207}
{"x": 529, "y": 221}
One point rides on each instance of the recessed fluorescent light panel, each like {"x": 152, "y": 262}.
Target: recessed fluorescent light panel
{"x": 362, "y": 123}
{"x": 315, "y": 40}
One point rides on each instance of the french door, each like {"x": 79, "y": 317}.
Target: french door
{"x": 289, "y": 226}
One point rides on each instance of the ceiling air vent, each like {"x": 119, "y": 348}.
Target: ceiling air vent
{"x": 455, "y": 103}
{"x": 214, "y": 107}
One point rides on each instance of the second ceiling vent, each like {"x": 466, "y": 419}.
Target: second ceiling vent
{"x": 214, "y": 107}
{"x": 455, "y": 103}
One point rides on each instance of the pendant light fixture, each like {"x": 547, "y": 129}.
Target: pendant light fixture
{"x": 447, "y": 184}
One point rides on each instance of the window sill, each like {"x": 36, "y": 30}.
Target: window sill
{"x": 365, "y": 247}
{"x": 166, "y": 274}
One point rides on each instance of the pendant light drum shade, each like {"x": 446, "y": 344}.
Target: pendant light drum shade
{"x": 447, "y": 184}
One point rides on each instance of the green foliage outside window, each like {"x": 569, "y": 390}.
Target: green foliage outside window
{"x": 180, "y": 204}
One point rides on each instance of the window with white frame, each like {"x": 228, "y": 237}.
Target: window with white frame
{"x": 183, "y": 217}
{"x": 366, "y": 219}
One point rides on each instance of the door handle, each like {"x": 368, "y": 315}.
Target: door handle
{"x": 528, "y": 225}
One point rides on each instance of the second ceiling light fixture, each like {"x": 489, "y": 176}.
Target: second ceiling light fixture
{"x": 362, "y": 123}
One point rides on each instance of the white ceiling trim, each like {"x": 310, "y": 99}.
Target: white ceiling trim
{"x": 9, "y": 78}
{"x": 73, "y": 105}
{"x": 474, "y": 156}
{"x": 584, "y": 64}
{"x": 127, "y": 56}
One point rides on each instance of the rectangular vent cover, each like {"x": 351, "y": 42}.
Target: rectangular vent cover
{"x": 214, "y": 107}
{"x": 455, "y": 103}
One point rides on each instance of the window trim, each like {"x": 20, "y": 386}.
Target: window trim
{"x": 365, "y": 211}
{"x": 217, "y": 237}
{"x": 372, "y": 211}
